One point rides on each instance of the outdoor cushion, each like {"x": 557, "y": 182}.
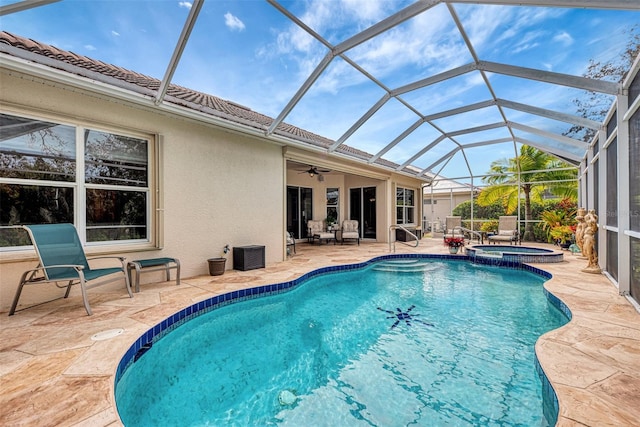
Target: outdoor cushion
{"x": 349, "y": 226}
{"x": 350, "y": 230}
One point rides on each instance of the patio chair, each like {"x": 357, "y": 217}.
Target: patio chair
{"x": 62, "y": 259}
{"x": 350, "y": 231}
{"x": 317, "y": 231}
{"x": 290, "y": 242}
{"x": 452, "y": 226}
{"x": 507, "y": 230}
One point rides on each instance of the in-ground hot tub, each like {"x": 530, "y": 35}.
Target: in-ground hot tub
{"x": 515, "y": 253}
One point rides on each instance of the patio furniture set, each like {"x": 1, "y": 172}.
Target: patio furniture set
{"x": 348, "y": 231}
{"x": 507, "y": 230}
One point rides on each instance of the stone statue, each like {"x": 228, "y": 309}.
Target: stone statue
{"x": 589, "y": 242}
{"x": 580, "y": 230}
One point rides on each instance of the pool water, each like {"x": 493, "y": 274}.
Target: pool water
{"x": 413, "y": 342}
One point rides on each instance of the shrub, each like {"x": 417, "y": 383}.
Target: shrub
{"x": 490, "y": 226}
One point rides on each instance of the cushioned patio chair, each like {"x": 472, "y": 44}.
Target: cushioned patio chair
{"x": 62, "y": 259}
{"x": 317, "y": 231}
{"x": 350, "y": 231}
{"x": 290, "y": 242}
{"x": 507, "y": 230}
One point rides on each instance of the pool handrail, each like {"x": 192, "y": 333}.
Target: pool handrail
{"x": 392, "y": 238}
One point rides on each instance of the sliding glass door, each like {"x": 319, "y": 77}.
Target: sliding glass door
{"x": 362, "y": 207}
{"x": 299, "y": 210}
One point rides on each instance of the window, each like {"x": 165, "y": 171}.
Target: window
{"x": 405, "y": 205}
{"x": 53, "y": 173}
{"x": 333, "y": 197}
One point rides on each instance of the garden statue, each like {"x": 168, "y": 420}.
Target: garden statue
{"x": 580, "y": 228}
{"x": 589, "y": 243}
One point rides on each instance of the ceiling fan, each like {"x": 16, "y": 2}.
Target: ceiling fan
{"x": 313, "y": 171}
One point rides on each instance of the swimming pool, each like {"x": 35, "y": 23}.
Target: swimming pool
{"x": 388, "y": 343}
{"x": 515, "y": 253}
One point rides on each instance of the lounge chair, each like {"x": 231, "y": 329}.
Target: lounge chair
{"x": 350, "y": 231}
{"x": 507, "y": 230}
{"x": 62, "y": 259}
{"x": 317, "y": 231}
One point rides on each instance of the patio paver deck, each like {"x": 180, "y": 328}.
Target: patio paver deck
{"x": 53, "y": 374}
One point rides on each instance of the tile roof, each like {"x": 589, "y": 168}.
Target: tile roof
{"x": 110, "y": 74}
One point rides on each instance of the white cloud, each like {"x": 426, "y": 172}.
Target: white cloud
{"x": 364, "y": 10}
{"x": 115, "y": 33}
{"x": 185, "y": 4}
{"x": 233, "y": 22}
{"x": 89, "y": 47}
{"x": 427, "y": 42}
{"x": 493, "y": 26}
{"x": 563, "y": 38}
{"x": 521, "y": 47}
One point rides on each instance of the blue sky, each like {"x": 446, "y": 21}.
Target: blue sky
{"x": 248, "y": 52}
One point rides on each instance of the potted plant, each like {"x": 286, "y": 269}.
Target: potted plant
{"x": 454, "y": 243}
{"x": 331, "y": 220}
{"x": 560, "y": 226}
{"x": 563, "y": 235}
{"x": 218, "y": 265}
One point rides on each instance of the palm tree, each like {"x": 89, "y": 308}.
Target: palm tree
{"x": 503, "y": 182}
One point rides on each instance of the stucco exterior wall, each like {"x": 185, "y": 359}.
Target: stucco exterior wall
{"x": 443, "y": 205}
{"x": 219, "y": 187}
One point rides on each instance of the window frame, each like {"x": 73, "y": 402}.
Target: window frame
{"x": 336, "y": 206}
{"x": 80, "y": 186}
{"x": 402, "y": 220}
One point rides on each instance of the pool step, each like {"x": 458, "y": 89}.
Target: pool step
{"x": 403, "y": 266}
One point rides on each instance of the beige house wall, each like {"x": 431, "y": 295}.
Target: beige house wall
{"x": 218, "y": 187}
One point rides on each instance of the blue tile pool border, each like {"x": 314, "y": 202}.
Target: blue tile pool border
{"x": 147, "y": 339}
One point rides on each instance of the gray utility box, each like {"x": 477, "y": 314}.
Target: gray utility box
{"x": 248, "y": 257}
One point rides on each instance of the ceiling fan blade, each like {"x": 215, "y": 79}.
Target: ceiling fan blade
{"x": 313, "y": 170}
